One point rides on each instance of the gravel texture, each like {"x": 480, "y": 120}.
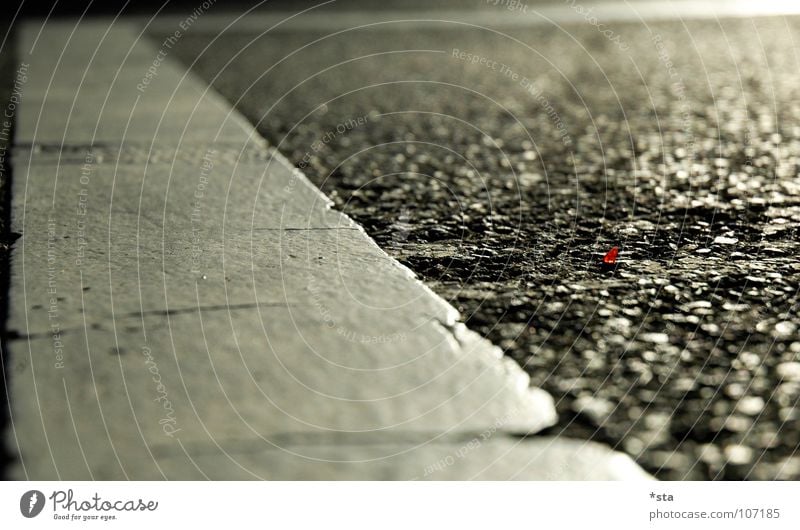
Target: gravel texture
{"x": 676, "y": 141}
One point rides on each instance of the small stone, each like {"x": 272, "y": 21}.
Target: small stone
{"x": 785, "y": 328}
{"x": 529, "y": 179}
{"x": 788, "y": 469}
{"x": 750, "y": 405}
{"x": 789, "y": 414}
{"x": 709, "y": 453}
{"x": 721, "y": 240}
{"x": 670, "y": 460}
{"x": 751, "y": 361}
{"x": 786, "y": 392}
{"x": 737, "y": 423}
{"x": 685, "y": 384}
{"x": 789, "y": 371}
{"x": 735, "y": 390}
{"x": 633, "y": 446}
{"x": 763, "y": 326}
{"x": 727, "y": 306}
{"x": 655, "y": 338}
{"x": 648, "y": 396}
{"x": 738, "y": 454}
{"x": 596, "y": 409}
{"x": 619, "y": 323}
{"x": 767, "y": 440}
{"x": 657, "y": 421}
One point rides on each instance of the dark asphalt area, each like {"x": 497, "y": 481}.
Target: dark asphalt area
{"x": 676, "y": 141}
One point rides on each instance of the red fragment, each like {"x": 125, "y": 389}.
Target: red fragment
{"x": 611, "y": 256}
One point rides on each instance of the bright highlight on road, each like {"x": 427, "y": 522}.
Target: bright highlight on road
{"x": 773, "y": 7}
{"x": 669, "y": 9}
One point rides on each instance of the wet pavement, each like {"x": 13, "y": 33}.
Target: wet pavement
{"x": 501, "y": 166}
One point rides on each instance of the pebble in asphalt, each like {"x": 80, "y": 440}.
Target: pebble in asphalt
{"x": 503, "y": 180}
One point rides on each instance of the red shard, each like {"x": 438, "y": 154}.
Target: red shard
{"x": 611, "y": 256}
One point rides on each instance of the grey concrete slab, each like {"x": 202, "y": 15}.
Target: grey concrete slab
{"x": 474, "y": 456}
{"x": 144, "y": 231}
{"x": 480, "y": 457}
{"x": 206, "y": 376}
{"x": 176, "y": 194}
{"x": 125, "y": 115}
{"x": 93, "y": 81}
{"x": 185, "y": 309}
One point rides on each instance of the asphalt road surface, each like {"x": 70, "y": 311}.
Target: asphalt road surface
{"x": 501, "y": 165}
